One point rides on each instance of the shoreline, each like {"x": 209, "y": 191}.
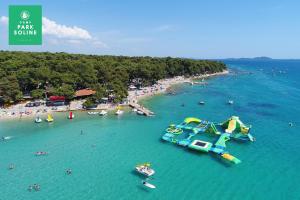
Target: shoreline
{"x": 162, "y": 86}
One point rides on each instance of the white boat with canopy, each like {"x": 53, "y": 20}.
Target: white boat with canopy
{"x": 145, "y": 169}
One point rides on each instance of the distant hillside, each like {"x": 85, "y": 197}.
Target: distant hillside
{"x": 255, "y": 58}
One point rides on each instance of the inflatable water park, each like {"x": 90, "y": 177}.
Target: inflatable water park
{"x": 185, "y": 134}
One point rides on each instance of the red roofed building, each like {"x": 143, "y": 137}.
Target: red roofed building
{"x": 57, "y": 98}
{"x": 84, "y": 93}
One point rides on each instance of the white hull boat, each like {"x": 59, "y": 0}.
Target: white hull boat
{"x": 93, "y": 113}
{"x": 140, "y": 112}
{"x": 149, "y": 185}
{"x": 119, "y": 112}
{"x": 41, "y": 153}
{"x": 201, "y": 103}
{"x": 5, "y": 138}
{"x": 103, "y": 112}
{"x": 145, "y": 169}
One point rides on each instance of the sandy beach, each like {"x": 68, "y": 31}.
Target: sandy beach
{"x": 18, "y": 111}
{"x": 163, "y": 85}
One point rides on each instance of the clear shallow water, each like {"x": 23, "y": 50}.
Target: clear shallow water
{"x": 103, "y": 158}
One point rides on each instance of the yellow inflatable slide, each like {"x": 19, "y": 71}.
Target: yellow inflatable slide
{"x": 231, "y": 126}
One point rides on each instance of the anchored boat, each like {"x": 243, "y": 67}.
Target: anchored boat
{"x": 41, "y": 153}
{"x": 119, "y": 112}
{"x": 103, "y": 112}
{"x": 93, "y": 113}
{"x": 230, "y": 102}
{"x": 145, "y": 169}
{"x": 147, "y": 184}
{"x": 5, "y": 138}
{"x": 139, "y": 112}
{"x": 201, "y": 103}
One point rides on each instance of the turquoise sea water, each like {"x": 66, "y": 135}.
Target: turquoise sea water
{"x": 103, "y": 158}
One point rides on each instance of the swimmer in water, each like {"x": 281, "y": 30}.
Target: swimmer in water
{"x": 69, "y": 171}
{"x": 30, "y": 188}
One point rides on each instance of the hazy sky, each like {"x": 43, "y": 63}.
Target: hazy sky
{"x": 198, "y": 29}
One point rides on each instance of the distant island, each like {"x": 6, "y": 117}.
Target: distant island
{"x": 38, "y": 75}
{"x": 255, "y": 58}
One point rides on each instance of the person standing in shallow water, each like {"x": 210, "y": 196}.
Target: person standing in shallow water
{"x": 11, "y": 166}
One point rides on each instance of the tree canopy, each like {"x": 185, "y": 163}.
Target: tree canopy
{"x": 38, "y": 73}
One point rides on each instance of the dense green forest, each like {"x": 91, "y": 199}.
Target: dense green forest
{"x": 62, "y": 74}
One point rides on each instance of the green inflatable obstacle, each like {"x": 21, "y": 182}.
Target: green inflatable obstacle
{"x": 200, "y": 145}
{"x": 235, "y": 125}
{"x": 172, "y": 129}
{"x": 232, "y": 128}
{"x": 212, "y": 129}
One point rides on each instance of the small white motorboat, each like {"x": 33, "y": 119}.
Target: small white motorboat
{"x": 145, "y": 169}
{"x": 40, "y": 153}
{"x": 230, "y": 102}
{"x": 201, "y": 103}
{"x": 134, "y": 110}
{"x": 38, "y": 120}
{"x": 140, "y": 112}
{"x": 119, "y": 112}
{"x": 5, "y": 138}
{"x": 103, "y": 112}
{"x": 147, "y": 184}
{"x": 93, "y": 113}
